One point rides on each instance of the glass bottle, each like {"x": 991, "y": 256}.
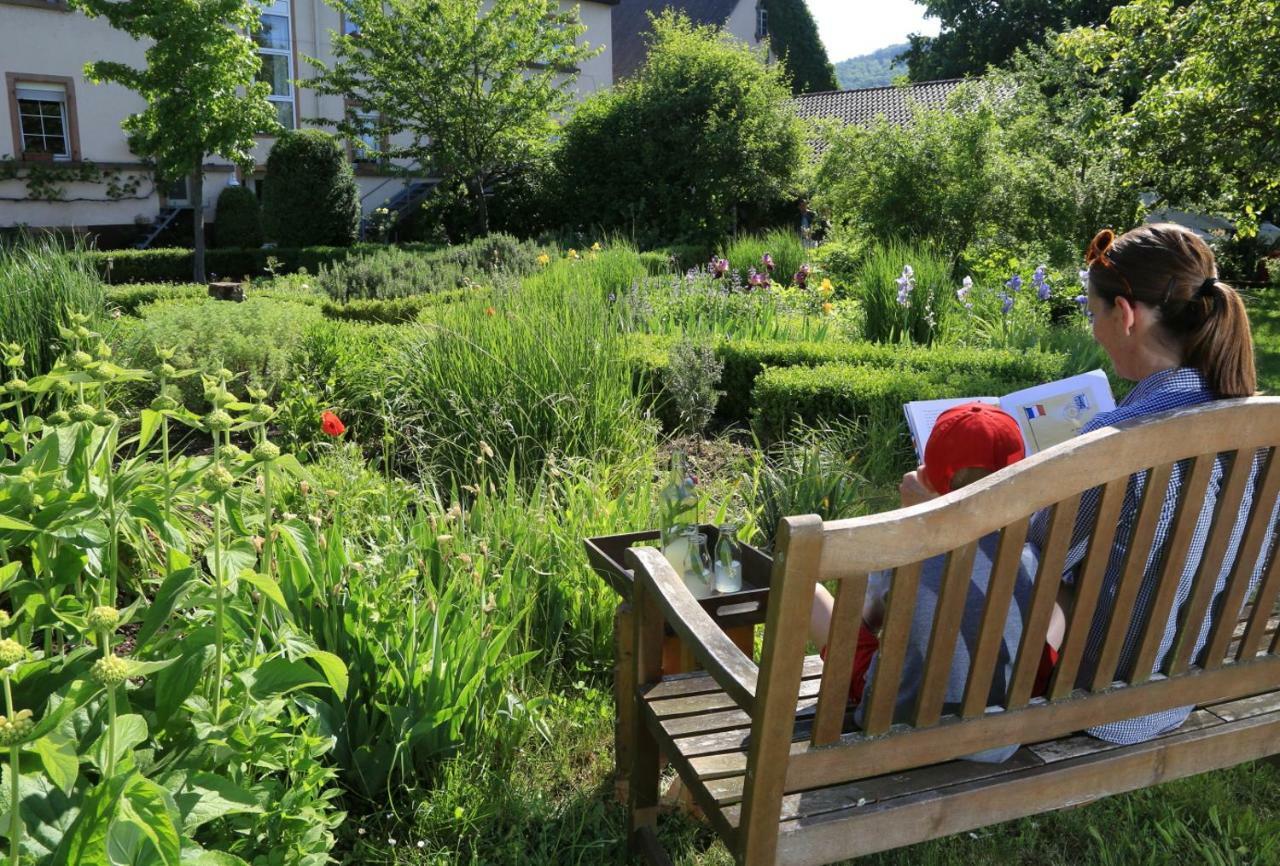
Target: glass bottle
{"x": 697, "y": 572}
{"x": 678, "y": 507}
{"x": 728, "y": 564}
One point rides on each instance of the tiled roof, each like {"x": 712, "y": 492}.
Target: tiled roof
{"x": 863, "y": 106}
{"x": 631, "y": 26}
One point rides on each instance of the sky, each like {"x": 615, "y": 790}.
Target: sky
{"x": 852, "y": 27}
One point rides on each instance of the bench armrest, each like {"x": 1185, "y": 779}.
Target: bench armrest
{"x": 732, "y": 669}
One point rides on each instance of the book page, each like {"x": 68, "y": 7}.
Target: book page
{"x": 922, "y": 414}
{"x": 1055, "y": 412}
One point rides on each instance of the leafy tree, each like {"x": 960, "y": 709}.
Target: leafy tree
{"x": 976, "y": 34}
{"x": 239, "y": 219}
{"x": 309, "y": 194}
{"x": 1202, "y": 127}
{"x": 466, "y": 89}
{"x": 668, "y": 154}
{"x": 199, "y": 84}
{"x": 793, "y": 37}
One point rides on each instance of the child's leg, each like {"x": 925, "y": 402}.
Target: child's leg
{"x": 820, "y": 616}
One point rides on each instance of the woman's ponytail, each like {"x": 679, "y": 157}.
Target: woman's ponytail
{"x": 1219, "y": 342}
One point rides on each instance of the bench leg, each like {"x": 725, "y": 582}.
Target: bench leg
{"x": 624, "y": 699}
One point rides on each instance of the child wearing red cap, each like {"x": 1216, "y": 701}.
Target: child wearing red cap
{"x": 967, "y": 443}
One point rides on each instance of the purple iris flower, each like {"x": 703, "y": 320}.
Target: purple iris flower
{"x": 1084, "y": 278}
{"x": 1007, "y": 303}
{"x": 767, "y": 261}
{"x": 1014, "y": 283}
{"x": 719, "y": 267}
{"x": 1041, "y": 280}
{"x": 802, "y": 276}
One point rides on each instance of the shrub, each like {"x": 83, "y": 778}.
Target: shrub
{"x": 667, "y": 154}
{"x": 254, "y": 340}
{"x": 310, "y": 195}
{"x": 130, "y": 299}
{"x": 173, "y": 265}
{"x": 39, "y": 282}
{"x": 391, "y": 311}
{"x": 238, "y": 222}
{"x": 692, "y": 373}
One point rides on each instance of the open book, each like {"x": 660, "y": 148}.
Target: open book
{"x": 1047, "y": 414}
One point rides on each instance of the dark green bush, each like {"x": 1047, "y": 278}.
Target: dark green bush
{"x": 657, "y": 264}
{"x": 239, "y": 219}
{"x": 310, "y": 195}
{"x": 745, "y": 360}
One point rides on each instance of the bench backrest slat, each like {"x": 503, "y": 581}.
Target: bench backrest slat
{"x": 883, "y": 694}
{"x": 1264, "y": 602}
{"x": 1190, "y": 503}
{"x": 833, "y": 696}
{"x": 942, "y": 640}
{"x": 1004, "y": 575}
{"x": 1087, "y": 589}
{"x": 1193, "y": 612}
{"x": 1250, "y": 547}
{"x": 1138, "y": 551}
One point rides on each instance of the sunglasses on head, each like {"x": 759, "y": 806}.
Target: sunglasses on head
{"x": 1097, "y": 252}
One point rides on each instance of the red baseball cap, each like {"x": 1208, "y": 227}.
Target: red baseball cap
{"x": 973, "y": 435}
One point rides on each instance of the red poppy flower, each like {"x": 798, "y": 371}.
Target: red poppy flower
{"x": 332, "y": 424}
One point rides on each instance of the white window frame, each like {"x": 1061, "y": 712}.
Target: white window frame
{"x": 281, "y": 8}
{"x": 40, "y": 91}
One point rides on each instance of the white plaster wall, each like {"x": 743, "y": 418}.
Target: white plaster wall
{"x": 596, "y": 73}
{"x": 742, "y": 22}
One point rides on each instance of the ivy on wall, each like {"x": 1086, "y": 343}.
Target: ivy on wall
{"x": 793, "y": 37}
{"x": 47, "y": 181}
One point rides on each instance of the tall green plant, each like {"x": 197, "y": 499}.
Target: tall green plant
{"x": 40, "y": 281}
{"x": 906, "y": 292}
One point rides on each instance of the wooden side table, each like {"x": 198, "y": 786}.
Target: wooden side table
{"x": 738, "y": 613}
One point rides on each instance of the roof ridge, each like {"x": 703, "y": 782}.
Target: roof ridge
{"x": 886, "y": 87}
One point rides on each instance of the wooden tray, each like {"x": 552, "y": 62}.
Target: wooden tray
{"x": 747, "y": 606}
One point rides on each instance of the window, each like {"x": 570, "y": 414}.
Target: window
{"x": 762, "y": 22}
{"x": 367, "y": 143}
{"x": 42, "y": 114}
{"x": 350, "y": 27}
{"x": 275, "y": 48}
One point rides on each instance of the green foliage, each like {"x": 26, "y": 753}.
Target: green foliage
{"x": 668, "y": 154}
{"x": 239, "y": 218}
{"x": 471, "y": 88}
{"x": 513, "y": 382}
{"x": 40, "y": 281}
{"x": 195, "y": 57}
{"x": 905, "y": 291}
{"x": 973, "y": 172}
{"x": 397, "y": 273}
{"x": 173, "y": 265}
{"x": 692, "y": 373}
{"x": 746, "y": 253}
{"x": 132, "y": 298}
{"x": 390, "y": 311}
{"x": 309, "y": 194}
{"x": 877, "y": 69}
{"x": 1200, "y": 125}
{"x": 793, "y": 37}
{"x": 253, "y": 339}
{"x": 977, "y": 34}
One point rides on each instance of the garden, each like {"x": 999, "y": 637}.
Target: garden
{"x": 301, "y": 580}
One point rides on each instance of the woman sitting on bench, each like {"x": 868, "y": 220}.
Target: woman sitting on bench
{"x": 1167, "y": 322}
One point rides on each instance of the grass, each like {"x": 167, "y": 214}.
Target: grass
{"x": 38, "y": 284}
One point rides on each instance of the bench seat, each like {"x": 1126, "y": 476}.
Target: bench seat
{"x": 707, "y": 738}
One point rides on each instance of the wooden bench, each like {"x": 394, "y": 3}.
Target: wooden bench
{"x": 770, "y": 752}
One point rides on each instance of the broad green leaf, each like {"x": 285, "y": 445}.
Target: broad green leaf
{"x": 16, "y": 524}
{"x": 85, "y": 843}
{"x": 281, "y": 676}
{"x": 62, "y": 706}
{"x": 131, "y": 730}
{"x": 265, "y": 585}
{"x": 148, "y": 426}
{"x": 196, "y": 857}
{"x": 58, "y": 754}
{"x": 167, "y": 599}
{"x": 8, "y": 573}
{"x": 144, "y": 805}
{"x": 47, "y": 813}
{"x": 176, "y": 682}
{"x": 236, "y": 557}
{"x": 141, "y": 669}
{"x": 335, "y": 670}
{"x": 206, "y": 796}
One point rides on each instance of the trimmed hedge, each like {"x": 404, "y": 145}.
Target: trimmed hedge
{"x": 309, "y": 194}
{"x": 745, "y": 360}
{"x": 390, "y": 311}
{"x": 130, "y": 299}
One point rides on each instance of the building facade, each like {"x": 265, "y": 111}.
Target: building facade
{"x": 65, "y": 161}
{"x": 746, "y": 19}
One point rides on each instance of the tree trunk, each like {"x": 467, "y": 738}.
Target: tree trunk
{"x": 197, "y": 219}
{"x": 482, "y": 206}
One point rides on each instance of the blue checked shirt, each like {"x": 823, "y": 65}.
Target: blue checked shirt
{"x": 1159, "y": 392}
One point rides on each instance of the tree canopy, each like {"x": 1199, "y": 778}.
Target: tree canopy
{"x": 976, "y": 34}
{"x": 465, "y": 89}
{"x": 1201, "y": 126}
{"x": 199, "y": 84}
{"x": 667, "y": 155}
{"x": 793, "y": 38}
